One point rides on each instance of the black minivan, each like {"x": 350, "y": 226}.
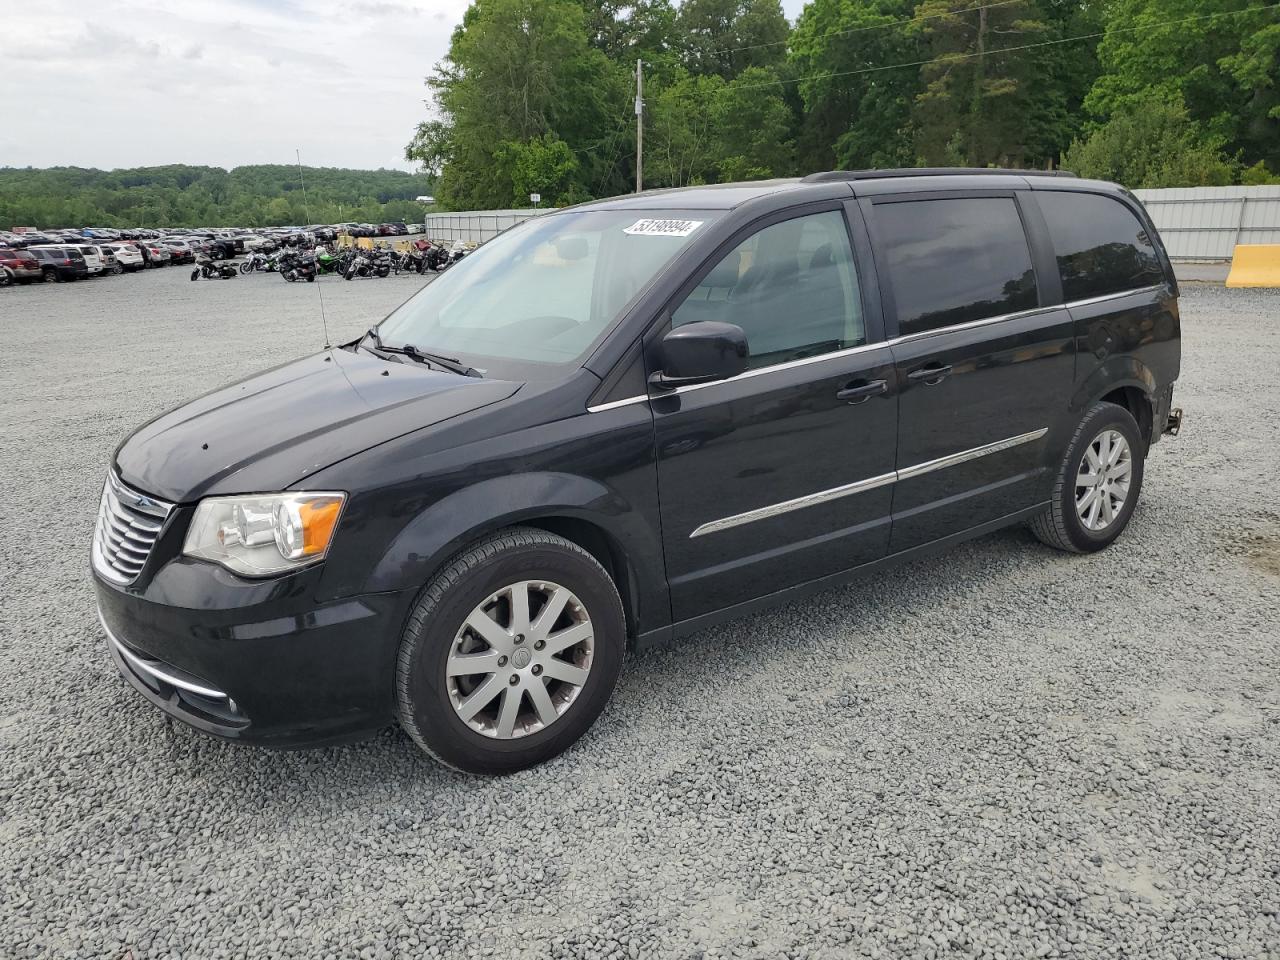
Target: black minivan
{"x": 618, "y": 423}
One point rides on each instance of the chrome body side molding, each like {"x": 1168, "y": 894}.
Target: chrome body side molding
{"x": 871, "y": 483}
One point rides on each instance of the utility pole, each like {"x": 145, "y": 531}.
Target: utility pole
{"x": 639, "y": 126}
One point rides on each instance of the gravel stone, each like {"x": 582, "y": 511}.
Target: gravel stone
{"x": 1003, "y": 752}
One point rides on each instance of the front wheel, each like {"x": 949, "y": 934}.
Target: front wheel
{"x": 1098, "y": 482}
{"x": 246, "y": 267}
{"x": 510, "y": 653}
{"x": 195, "y": 274}
{"x": 291, "y": 275}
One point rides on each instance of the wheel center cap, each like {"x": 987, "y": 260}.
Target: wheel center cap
{"x": 520, "y": 659}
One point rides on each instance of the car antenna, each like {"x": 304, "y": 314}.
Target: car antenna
{"x": 306, "y": 211}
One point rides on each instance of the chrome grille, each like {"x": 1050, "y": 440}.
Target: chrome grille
{"x": 128, "y": 524}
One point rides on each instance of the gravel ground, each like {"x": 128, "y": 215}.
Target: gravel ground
{"x": 1004, "y": 752}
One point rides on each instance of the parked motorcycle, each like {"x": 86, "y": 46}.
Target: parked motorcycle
{"x": 258, "y": 260}
{"x": 295, "y": 266}
{"x": 209, "y": 270}
{"x": 368, "y": 263}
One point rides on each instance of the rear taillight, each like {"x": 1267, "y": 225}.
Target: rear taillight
{"x": 66, "y": 263}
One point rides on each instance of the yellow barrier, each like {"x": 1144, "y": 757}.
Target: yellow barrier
{"x": 1255, "y": 265}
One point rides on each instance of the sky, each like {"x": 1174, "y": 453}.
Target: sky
{"x": 126, "y": 84}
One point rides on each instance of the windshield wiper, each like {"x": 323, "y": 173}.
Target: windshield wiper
{"x": 449, "y": 363}
{"x": 452, "y": 364}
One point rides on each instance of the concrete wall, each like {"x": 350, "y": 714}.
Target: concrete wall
{"x": 1206, "y": 223}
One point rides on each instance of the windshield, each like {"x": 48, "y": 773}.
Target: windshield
{"x": 545, "y": 291}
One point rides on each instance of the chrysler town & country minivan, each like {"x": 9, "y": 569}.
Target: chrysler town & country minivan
{"x": 619, "y": 423}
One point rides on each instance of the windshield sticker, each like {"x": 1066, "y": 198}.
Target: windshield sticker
{"x": 663, "y": 228}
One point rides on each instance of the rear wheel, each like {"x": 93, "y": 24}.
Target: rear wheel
{"x": 510, "y": 653}
{"x": 50, "y": 275}
{"x": 1098, "y": 483}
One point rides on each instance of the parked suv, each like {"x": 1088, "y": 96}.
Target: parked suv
{"x": 60, "y": 263}
{"x": 128, "y": 255}
{"x": 92, "y": 259}
{"x": 22, "y": 265}
{"x": 619, "y": 423}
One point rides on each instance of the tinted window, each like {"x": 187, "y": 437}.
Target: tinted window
{"x": 1101, "y": 246}
{"x": 952, "y": 261}
{"x": 791, "y": 287}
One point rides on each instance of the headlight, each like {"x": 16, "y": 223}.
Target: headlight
{"x": 257, "y": 536}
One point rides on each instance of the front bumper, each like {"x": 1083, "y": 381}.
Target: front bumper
{"x": 253, "y": 661}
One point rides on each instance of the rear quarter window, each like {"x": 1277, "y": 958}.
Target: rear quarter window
{"x": 956, "y": 260}
{"x": 1101, "y": 247}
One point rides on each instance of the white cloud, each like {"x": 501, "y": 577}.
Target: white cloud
{"x": 222, "y": 82}
{"x": 120, "y": 84}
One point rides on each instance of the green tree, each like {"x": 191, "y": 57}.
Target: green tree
{"x": 1220, "y": 58}
{"x": 518, "y": 71}
{"x": 725, "y": 37}
{"x": 972, "y": 107}
{"x": 1148, "y": 144}
{"x": 543, "y": 165}
{"x": 854, "y": 113}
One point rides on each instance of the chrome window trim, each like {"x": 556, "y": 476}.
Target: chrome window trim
{"x": 149, "y": 668}
{"x": 862, "y": 347}
{"x": 871, "y": 483}
{"x": 614, "y": 404}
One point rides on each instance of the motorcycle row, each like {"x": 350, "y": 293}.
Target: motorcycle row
{"x": 294, "y": 265}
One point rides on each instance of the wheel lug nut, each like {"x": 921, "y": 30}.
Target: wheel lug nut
{"x": 514, "y": 679}
{"x": 519, "y": 638}
{"x": 502, "y": 661}
{"x": 539, "y": 644}
{"x": 537, "y": 669}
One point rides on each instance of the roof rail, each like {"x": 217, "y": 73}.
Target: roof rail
{"x": 830, "y": 176}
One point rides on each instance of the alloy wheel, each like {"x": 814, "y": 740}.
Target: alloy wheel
{"x": 1102, "y": 482}
{"x": 520, "y": 659}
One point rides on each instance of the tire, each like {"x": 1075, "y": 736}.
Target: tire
{"x": 291, "y": 275}
{"x": 1063, "y": 526}
{"x": 51, "y": 276}
{"x": 195, "y": 274}
{"x": 311, "y": 278}
{"x": 117, "y": 270}
{"x": 246, "y": 267}
{"x": 6, "y": 278}
{"x": 531, "y": 560}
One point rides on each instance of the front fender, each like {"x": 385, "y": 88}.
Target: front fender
{"x": 443, "y": 528}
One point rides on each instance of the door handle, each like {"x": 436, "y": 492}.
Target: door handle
{"x": 859, "y": 391}
{"x": 934, "y": 373}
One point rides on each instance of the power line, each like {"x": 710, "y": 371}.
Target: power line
{"x": 955, "y": 57}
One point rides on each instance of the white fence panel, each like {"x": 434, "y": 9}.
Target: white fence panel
{"x": 1206, "y": 223}
{"x": 475, "y": 226}
{"x": 1197, "y": 223}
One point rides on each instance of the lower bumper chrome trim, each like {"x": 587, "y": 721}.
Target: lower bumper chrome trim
{"x": 152, "y": 669}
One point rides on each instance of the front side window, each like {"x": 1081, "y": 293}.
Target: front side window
{"x": 546, "y": 290}
{"x": 791, "y": 287}
{"x": 1100, "y": 245}
{"x": 954, "y": 261}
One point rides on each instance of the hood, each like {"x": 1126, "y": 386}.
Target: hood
{"x": 273, "y": 429}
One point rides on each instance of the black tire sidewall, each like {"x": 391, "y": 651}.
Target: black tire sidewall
{"x": 1105, "y": 416}
{"x": 444, "y": 732}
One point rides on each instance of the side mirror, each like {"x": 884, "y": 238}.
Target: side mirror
{"x": 700, "y": 353}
